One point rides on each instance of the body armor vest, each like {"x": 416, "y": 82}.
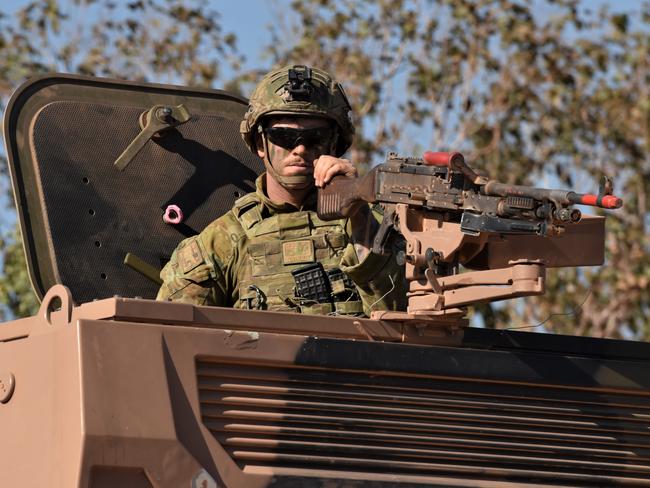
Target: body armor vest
{"x": 280, "y": 244}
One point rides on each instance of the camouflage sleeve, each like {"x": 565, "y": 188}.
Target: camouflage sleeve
{"x": 379, "y": 279}
{"x": 200, "y": 268}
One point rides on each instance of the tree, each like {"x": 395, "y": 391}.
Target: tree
{"x": 173, "y": 41}
{"x": 533, "y": 93}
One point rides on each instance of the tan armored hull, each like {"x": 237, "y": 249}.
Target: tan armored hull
{"x": 134, "y": 393}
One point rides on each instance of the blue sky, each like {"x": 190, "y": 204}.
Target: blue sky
{"x": 249, "y": 20}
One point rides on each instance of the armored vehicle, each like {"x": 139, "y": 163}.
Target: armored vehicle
{"x": 106, "y": 387}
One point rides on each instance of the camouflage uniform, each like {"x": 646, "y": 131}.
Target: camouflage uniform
{"x": 244, "y": 259}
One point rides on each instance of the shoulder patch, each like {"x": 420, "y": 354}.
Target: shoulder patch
{"x": 190, "y": 256}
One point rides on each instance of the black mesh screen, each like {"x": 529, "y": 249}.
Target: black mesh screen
{"x": 97, "y": 214}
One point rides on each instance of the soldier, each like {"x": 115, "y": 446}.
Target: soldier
{"x": 264, "y": 253}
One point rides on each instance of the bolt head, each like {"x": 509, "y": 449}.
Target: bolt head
{"x": 204, "y": 480}
{"x": 7, "y": 385}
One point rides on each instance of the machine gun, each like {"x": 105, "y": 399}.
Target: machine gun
{"x": 451, "y": 216}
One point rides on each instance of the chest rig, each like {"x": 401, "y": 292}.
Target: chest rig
{"x": 283, "y": 243}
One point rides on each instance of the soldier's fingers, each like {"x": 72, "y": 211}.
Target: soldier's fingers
{"x": 342, "y": 167}
{"x": 326, "y": 167}
{"x": 199, "y": 274}
{"x": 320, "y": 168}
{"x": 317, "y": 170}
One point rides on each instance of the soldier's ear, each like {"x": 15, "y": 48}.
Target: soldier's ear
{"x": 259, "y": 144}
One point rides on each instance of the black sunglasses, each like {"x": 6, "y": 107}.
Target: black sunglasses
{"x": 289, "y": 138}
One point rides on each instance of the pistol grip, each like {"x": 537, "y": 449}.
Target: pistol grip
{"x": 379, "y": 244}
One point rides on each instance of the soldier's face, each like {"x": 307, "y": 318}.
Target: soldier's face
{"x": 294, "y": 143}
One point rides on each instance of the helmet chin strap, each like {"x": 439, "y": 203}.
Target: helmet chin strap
{"x": 294, "y": 182}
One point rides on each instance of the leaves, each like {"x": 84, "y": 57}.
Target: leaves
{"x": 16, "y": 295}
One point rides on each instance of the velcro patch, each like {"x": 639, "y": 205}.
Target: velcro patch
{"x": 296, "y": 252}
{"x": 189, "y": 257}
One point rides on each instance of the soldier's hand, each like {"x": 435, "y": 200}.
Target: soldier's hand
{"x": 326, "y": 167}
{"x": 199, "y": 274}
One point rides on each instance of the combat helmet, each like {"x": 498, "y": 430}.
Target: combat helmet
{"x": 299, "y": 90}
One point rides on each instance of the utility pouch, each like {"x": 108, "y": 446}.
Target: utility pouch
{"x": 342, "y": 286}
{"x": 312, "y": 283}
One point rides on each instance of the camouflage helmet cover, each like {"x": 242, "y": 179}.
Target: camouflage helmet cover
{"x": 299, "y": 90}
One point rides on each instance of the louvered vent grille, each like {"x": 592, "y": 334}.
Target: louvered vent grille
{"x": 396, "y": 424}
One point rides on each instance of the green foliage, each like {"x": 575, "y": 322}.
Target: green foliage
{"x": 16, "y": 295}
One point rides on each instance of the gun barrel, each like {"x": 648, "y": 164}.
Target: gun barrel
{"x": 564, "y": 197}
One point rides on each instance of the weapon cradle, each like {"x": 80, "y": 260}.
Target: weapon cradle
{"x": 503, "y": 271}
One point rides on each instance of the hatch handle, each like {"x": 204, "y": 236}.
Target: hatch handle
{"x": 142, "y": 267}
{"x": 153, "y": 121}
